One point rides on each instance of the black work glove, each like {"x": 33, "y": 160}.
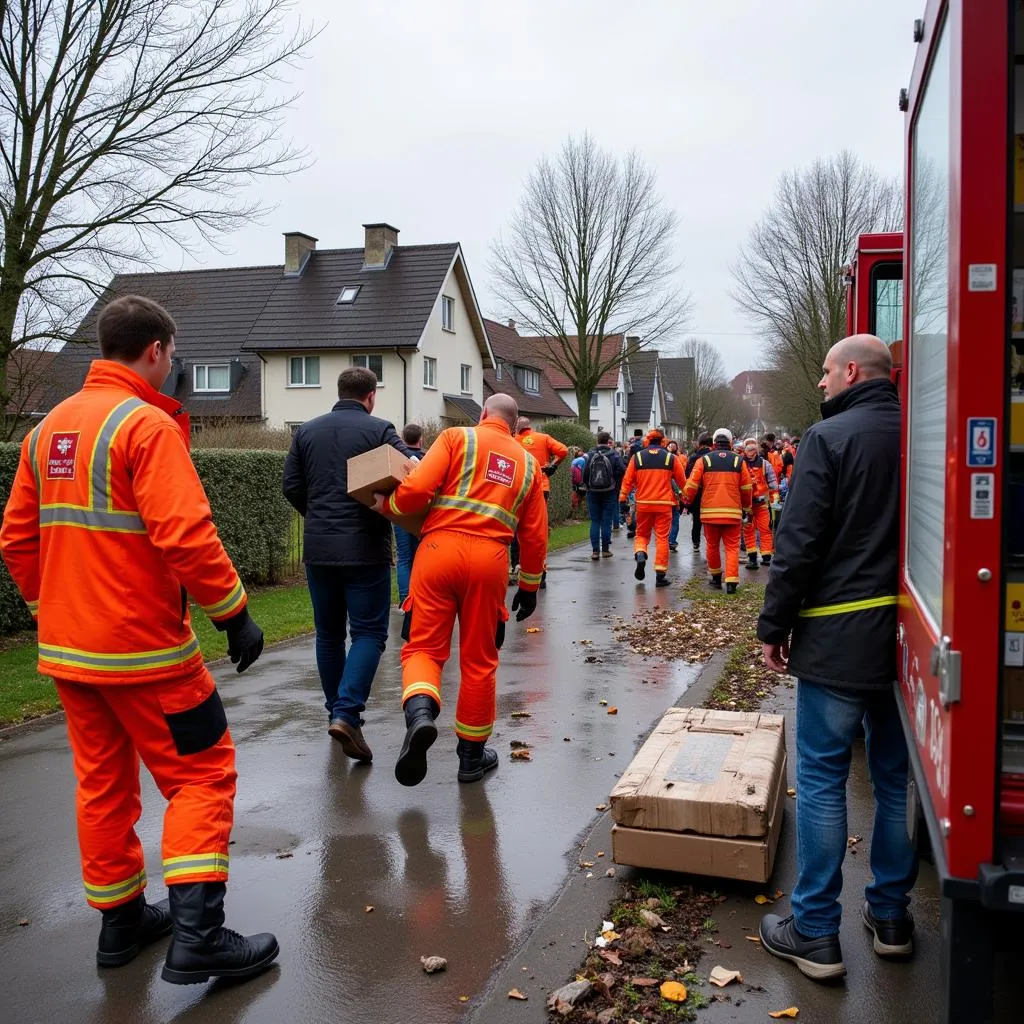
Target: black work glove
{"x": 406, "y": 626}
{"x": 526, "y": 602}
{"x": 245, "y": 639}
{"x": 499, "y": 634}
{"x": 549, "y": 470}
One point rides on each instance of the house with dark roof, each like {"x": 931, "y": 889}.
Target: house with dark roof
{"x": 675, "y": 379}
{"x": 642, "y": 386}
{"x": 517, "y": 372}
{"x": 267, "y": 343}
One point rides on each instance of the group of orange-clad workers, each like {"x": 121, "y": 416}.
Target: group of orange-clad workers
{"x": 738, "y": 491}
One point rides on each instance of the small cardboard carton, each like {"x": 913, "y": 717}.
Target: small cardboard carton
{"x": 380, "y": 471}
{"x": 705, "y": 794}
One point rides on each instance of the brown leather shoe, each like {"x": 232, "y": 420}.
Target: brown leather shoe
{"x": 351, "y": 739}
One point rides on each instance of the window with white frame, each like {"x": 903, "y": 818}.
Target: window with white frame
{"x": 429, "y": 372}
{"x": 374, "y": 362}
{"x": 348, "y": 294}
{"x": 466, "y": 378}
{"x": 304, "y": 372}
{"x": 211, "y": 377}
{"x": 497, "y": 370}
{"x": 593, "y": 399}
{"x": 447, "y": 313}
{"x": 527, "y": 379}
{"x": 618, "y": 399}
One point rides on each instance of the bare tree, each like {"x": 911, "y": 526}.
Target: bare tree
{"x": 705, "y": 404}
{"x": 590, "y": 255}
{"x": 125, "y": 124}
{"x": 788, "y": 279}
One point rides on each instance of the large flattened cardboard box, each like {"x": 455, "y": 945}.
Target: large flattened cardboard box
{"x": 380, "y": 471}
{"x": 705, "y": 794}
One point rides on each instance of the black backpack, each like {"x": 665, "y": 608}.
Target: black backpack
{"x": 598, "y": 474}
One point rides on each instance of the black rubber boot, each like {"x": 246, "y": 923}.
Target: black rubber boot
{"x": 420, "y": 733}
{"x": 730, "y": 588}
{"x": 661, "y": 580}
{"x": 475, "y": 760}
{"x": 129, "y": 927}
{"x": 202, "y": 948}
{"x": 766, "y": 560}
{"x": 715, "y": 582}
{"x": 641, "y": 565}
{"x": 751, "y": 559}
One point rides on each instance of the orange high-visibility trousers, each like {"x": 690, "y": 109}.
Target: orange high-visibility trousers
{"x": 659, "y": 519}
{"x": 456, "y": 575}
{"x": 761, "y": 521}
{"x": 728, "y": 534}
{"x": 180, "y": 732}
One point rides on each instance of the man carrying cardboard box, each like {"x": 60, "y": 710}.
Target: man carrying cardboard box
{"x": 346, "y": 550}
{"x": 481, "y": 487}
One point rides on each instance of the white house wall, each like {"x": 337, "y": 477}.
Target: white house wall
{"x": 605, "y": 415}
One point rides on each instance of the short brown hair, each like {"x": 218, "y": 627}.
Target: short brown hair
{"x": 356, "y": 382}
{"x": 412, "y": 433}
{"x": 603, "y": 437}
{"x": 129, "y": 325}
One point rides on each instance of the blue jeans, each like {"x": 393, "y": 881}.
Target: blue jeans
{"x": 673, "y": 533}
{"x": 826, "y": 726}
{"x": 602, "y": 507}
{"x": 359, "y": 596}
{"x": 407, "y": 545}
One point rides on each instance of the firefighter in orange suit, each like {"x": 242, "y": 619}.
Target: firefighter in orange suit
{"x": 651, "y": 472}
{"x": 764, "y": 492}
{"x": 549, "y": 452}
{"x": 106, "y": 530}
{"x": 480, "y": 487}
{"x": 774, "y": 455}
{"x": 725, "y": 502}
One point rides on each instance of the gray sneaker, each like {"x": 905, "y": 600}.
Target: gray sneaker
{"x": 820, "y": 959}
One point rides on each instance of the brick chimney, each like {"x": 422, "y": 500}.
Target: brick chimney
{"x": 632, "y": 344}
{"x": 380, "y": 240}
{"x": 511, "y": 324}
{"x": 297, "y": 248}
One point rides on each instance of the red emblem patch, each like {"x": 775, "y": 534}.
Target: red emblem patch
{"x": 501, "y": 469}
{"x": 60, "y": 463}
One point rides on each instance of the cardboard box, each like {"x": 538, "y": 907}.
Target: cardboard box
{"x": 704, "y": 795}
{"x": 380, "y": 471}
{"x": 1013, "y": 694}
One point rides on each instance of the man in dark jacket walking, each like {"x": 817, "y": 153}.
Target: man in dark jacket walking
{"x": 346, "y": 550}
{"x": 702, "y": 449}
{"x": 603, "y": 470}
{"x": 829, "y": 619}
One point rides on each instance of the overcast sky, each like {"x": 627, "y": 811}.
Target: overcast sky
{"x": 430, "y": 115}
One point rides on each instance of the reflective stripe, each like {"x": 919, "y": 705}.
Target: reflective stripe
{"x": 73, "y": 515}
{"x": 118, "y": 891}
{"x": 33, "y": 606}
{"x": 137, "y": 661}
{"x": 426, "y": 688}
{"x": 529, "y": 577}
{"x": 229, "y": 604}
{"x": 473, "y": 731}
{"x": 524, "y": 490}
{"x": 652, "y": 501}
{"x": 468, "y": 461}
{"x": 33, "y": 448}
{"x": 395, "y": 510}
{"x": 482, "y": 508}
{"x": 705, "y": 512}
{"x": 100, "y": 496}
{"x": 668, "y": 458}
{"x": 195, "y": 864}
{"x": 846, "y": 607}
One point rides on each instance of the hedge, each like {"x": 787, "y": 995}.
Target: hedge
{"x": 252, "y": 517}
{"x": 575, "y": 435}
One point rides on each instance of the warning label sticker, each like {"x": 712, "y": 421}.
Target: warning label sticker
{"x": 501, "y": 469}
{"x": 63, "y": 454}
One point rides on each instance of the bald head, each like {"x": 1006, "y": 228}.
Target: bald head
{"x": 854, "y": 360}
{"x": 501, "y": 407}
{"x": 523, "y": 423}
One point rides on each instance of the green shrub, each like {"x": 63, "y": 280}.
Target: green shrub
{"x": 252, "y": 516}
{"x": 13, "y": 610}
{"x": 571, "y": 433}
{"x": 575, "y": 435}
{"x": 235, "y": 433}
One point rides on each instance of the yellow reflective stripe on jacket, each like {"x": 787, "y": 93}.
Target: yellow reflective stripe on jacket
{"x": 195, "y": 864}
{"x": 731, "y": 511}
{"x": 530, "y": 577}
{"x": 468, "y": 461}
{"x": 33, "y": 606}
{"x": 524, "y": 490}
{"x": 846, "y": 607}
{"x": 230, "y": 604}
{"x": 481, "y": 508}
{"x": 392, "y": 505}
{"x": 136, "y": 661}
{"x": 117, "y": 892}
{"x": 33, "y": 448}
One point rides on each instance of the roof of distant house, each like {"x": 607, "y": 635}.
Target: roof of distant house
{"x": 676, "y": 374}
{"x": 611, "y": 347}
{"x": 509, "y": 350}
{"x": 465, "y": 406}
{"x": 643, "y": 374}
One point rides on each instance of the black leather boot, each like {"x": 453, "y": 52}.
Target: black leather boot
{"x": 475, "y": 760}
{"x": 420, "y": 733}
{"x": 730, "y": 588}
{"x": 766, "y": 559}
{"x": 716, "y": 581}
{"x": 202, "y": 948}
{"x": 751, "y": 559}
{"x": 662, "y": 580}
{"x": 129, "y": 927}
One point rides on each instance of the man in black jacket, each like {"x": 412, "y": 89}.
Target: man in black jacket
{"x": 704, "y": 444}
{"x": 346, "y": 550}
{"x": 829, "y": 619}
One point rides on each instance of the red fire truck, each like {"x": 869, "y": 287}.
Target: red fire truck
{"x": 961, "y": 627}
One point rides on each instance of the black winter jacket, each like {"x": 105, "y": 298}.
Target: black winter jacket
{"x": 338, "y": 530}
{"x": 838, "y": 544}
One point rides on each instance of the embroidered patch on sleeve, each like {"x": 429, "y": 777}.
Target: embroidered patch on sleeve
{"x": 62, "y": 457}
{"x": 501, "y": 469}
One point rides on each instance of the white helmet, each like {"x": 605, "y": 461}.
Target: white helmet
{"x": 723, "y": 432}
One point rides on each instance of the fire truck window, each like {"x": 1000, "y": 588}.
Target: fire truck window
{"x": 885, "y": 318}
{"x": 929, "y": 327}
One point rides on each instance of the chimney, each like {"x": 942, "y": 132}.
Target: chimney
{"x": 511, "y": 324}
{"x": 297, "y": 248}
{"x": 632, "y": 345}
{"x": 380, "y": 240}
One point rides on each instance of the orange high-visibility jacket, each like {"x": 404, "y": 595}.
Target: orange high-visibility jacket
{"x": 762, "y": 477}
{"x": 652, "y": 472}
{"x": 544, "y": 448}
{"x": 775, "y": 458}
{"x": 727, "y": 486}
{"x": 477, "y": 480}
{"x": 107, "y": 527}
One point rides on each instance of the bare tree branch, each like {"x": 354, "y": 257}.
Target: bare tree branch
{"x": 589, "y": 256}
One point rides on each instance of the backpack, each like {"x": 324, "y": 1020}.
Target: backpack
{"x": 598, "y": 474}
{"x": 577, "y": 476}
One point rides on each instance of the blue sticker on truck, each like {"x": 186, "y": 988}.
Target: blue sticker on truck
{"x": 981, "y": 441}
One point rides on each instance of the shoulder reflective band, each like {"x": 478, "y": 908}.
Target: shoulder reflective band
{"x": 135, "y": 661}
{"x": 849, "y": 606}
{"x": 524, "y": 490}
{"x": 480, "y": 508}
{"x": 468, "y": 461}
{"x": 707, "y": 461}
{"x": 33, "y": 446}
{"x": 100, "y": 513}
